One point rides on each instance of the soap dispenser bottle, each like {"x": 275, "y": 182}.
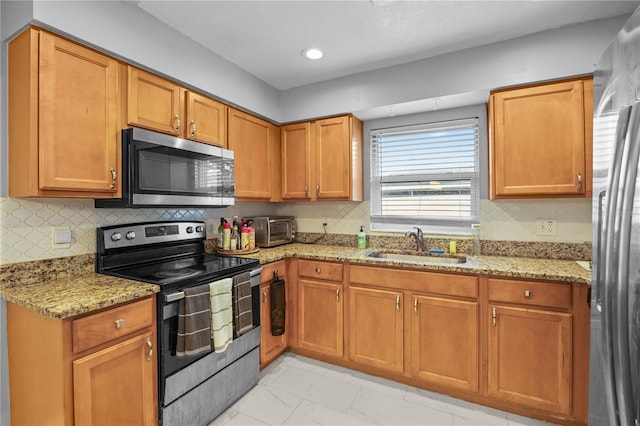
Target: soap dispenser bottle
{"x": 362, "y": 238}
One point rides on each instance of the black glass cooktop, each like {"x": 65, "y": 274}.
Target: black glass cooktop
{"x": 186, "y": 271}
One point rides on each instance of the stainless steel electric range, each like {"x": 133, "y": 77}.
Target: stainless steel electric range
{"x": 191, "y": 390}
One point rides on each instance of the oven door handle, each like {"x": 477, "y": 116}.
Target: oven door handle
{"x": 172, "y": 297}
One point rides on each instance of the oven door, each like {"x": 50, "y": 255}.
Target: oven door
{"x": 169, "y": 363}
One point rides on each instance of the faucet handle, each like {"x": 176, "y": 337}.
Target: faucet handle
{"x": 420, "y": 233}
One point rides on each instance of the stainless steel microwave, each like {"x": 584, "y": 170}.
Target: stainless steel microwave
{"x": 160, "y": 170}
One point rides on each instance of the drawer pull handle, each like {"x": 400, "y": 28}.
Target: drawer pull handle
{"x": 579, "y": 182}
{"x": 415, "y": 306}
{"x": 318, "y": 270}
{"x": 318, "y": 189}
{"x": 177, "y": 126}
{"x": 119, "y": 323}
{"x": 193, "y": 129}
{"x": 337, "y": 294}
{"x": 493, "y": 317}
{"x": 306, "y": 191}
{"x": 150, "y": 347}
{"x": 397, "y": 303}
{"x": 528, "y": 294}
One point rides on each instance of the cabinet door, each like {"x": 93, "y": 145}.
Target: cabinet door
{"x": 332, "y": 158}
{"x": 538, "y": 141}
{"x": 116, "y": 385}
{"x": 530, "y": 356}
{"x": 256, "y": 144}
{"x": 78, "y": 124}
{"x": 444, "y": 342}
{"x": 376, "y": 328}
{"x": 296, "y": 166}
{"x": 320, "y": 317}
{"x": 154, "y": 103}
{"x": 270, "y": 346}
{"x": 206, "y": 120}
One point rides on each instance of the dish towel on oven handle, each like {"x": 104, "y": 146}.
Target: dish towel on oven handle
{"x": 242, "y": 313}
{"x": 194, "y": 322}
{"x": 221, "y": 314}
{"x": 278, "y": 305}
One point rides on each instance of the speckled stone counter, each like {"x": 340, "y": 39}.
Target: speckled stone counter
{"x": 502, "y": 266}
{"x": 67, "y": 297}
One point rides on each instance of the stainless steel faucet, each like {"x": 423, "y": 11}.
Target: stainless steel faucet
{"x": 419, "y": 236}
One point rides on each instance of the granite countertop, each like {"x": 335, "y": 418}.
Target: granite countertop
{"x": 502, "y": 266}
{"x": 71, "y": 296}
{"x": 51, "y": 291}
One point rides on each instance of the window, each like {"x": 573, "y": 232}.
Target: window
{"x": 426, "y": 175}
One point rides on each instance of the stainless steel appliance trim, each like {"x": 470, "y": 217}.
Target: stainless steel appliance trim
{"x": 165, "y": 199}
{"x": 156, "y": 138}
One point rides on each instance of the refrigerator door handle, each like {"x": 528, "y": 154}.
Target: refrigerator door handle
{"x": 624, "y": 219}
{"x": 608, "y": 258}
{"x": 600, "y": 262}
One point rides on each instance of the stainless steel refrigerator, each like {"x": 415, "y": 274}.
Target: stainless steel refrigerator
{"x": 614, "y": 394}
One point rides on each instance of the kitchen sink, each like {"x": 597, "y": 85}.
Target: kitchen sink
{"x": 417, "y": 257}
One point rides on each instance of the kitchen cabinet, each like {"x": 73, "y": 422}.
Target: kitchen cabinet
{"x": 530, "y": 347}
{"x": 64, "y": 127}
{"x": 270, "y": 346}
{"x": 159, "y": 104}
{"x": 376, "y": 327}
{"x": 441, "y": 335}
{"x": 445, "y": 341}
{"x": 322, "y": 160}
{"x": 90, "y": 363}
{"x": 256, "y": 144}
{"x": 320, "y": 307}
{"x": 540, "y": 138}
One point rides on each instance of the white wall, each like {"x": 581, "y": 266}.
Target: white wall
{"x": 544, "y": 56}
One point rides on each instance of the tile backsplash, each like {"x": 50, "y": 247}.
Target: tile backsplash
{"x": 26, "y": 224}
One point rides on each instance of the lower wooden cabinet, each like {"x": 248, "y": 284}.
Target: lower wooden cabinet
{"x": 116, "y": 385}
{"x": 444, "y": 341}
{"x": 270, "y": 346}
{"x": 320, "y": 321}
{"x": 376, "y": 328}
{"x": 84, "y": 370}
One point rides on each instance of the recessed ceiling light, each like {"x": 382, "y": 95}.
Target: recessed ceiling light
{"x": 312, "y": 53}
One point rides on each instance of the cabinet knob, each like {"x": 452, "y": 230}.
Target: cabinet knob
{"x": 528, "y": 294}
{"x": 120, "y": 323}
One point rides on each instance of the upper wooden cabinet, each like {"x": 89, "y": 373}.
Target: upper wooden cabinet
{"x": 159, "y": 104}
{"x": 322, "y": 160}
{"x": 63, "y": 119}
{"x": 256, "y": 144}
{"x": 540, "y": 138}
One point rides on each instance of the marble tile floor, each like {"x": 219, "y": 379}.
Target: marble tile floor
{"x": 295, "y": 390}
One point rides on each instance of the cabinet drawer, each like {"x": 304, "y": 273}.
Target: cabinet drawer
{"x": 94, "y": 330}
{"x": 266, "y": 276}
{"x": 322, "y": 270}
{"x": 530, "y": 293}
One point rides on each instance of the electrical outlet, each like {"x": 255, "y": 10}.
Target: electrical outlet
{"x": 546, "y": 227}
{"x": 324, "y": 221}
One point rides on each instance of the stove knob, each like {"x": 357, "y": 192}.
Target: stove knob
{"x": 189, "y": 229}
{"x": 130, "y": 235}
{"x": 199, "y": 228}
{"x": 116, "y": 236}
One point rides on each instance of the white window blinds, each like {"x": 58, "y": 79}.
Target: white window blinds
{"x": 426, "y": 175}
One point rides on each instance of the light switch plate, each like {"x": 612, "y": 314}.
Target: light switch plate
{"x": 60, "y": 237}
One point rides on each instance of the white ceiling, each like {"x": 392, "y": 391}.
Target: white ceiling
{"x": 266, "y": 37}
